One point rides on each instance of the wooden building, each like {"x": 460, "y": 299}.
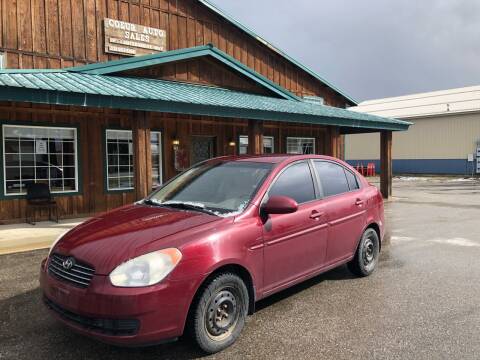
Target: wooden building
{"x": 105, "y": 100}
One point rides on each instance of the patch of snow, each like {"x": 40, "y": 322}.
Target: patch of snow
{"x": 461, "y": 180}
{"x": 401, "y": 238}
{"x": 239, "y": 210}
{"x": 411, "y": 178}
{"x": 188, "y": 203}
{"x": 456, "y": 242}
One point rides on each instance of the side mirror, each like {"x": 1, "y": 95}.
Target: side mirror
{"x": 280, "y": 205}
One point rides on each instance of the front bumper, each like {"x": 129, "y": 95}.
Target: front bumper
{"x": 121, "y": 316}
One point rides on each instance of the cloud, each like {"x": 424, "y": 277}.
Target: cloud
{"x": 373, "y": 48}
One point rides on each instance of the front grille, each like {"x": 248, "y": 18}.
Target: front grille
{"x": 78, "y": 274}
{"x": 113, "y": 327}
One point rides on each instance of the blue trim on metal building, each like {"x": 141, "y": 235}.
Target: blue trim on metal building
{"x": 424, "y": 166}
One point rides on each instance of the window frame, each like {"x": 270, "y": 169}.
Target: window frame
{"x": 265, "y": 136}
{"x": 344, "y": 170}
{"x": 317, "y": 189}
{"x": 355, "y": 177}
{"x": 3, "y": 60}
{"x": 160, "y": 145}
{"x": 105, "y": 159}
{"x": 301, "y": 138}
{"x": 77, "y": 157}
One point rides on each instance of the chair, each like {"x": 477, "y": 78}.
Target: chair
{"x": 39, "y": 198}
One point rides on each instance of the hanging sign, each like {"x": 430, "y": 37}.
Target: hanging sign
{"x": 132, "y": 39}
{"x": 41, "y": 147}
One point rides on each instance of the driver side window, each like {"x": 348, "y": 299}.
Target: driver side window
{"x": 295, "y": 182}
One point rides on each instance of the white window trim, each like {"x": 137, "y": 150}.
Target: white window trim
{"x": 75, "y": 141}
{"x": 265, "y": 137}
{"x": 106, "y": 161}
{"x": 302, "y": 138}
{"x": 273, "y": 142}
{"x": 3, "y": 60}
{"x": 160, "y": 155}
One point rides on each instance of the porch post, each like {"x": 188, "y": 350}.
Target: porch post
{"x": 255, "y": 137}
{"x": 334, "y": 142}
{"x": 142, "y": 155}
{"x": 386, "y": 163}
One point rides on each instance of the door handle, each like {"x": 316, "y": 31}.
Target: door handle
{"x": 315, "y": 215}
{"x": 359, "y": 202}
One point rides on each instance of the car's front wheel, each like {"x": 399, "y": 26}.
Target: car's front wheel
{"x": 219, "y": 313}
{"x": 366, "y": 257}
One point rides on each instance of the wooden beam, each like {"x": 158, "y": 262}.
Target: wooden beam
{"x": 141, "y": 140}
{"x": 333, "y": 142}
{"x": 255, "y": 137}
{"x": 148, "y": 153}
{"x": 386, "y": 163}
{"x": 341, "y": 147}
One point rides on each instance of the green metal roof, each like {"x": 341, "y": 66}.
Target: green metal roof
{"x": 250, "y": 32}
{"x": 87, "y": 90}
{"x": 116, "y": 66}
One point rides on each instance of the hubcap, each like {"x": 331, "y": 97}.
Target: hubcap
{"x": 369, "y": 252}
{"x": 222, "y": 314}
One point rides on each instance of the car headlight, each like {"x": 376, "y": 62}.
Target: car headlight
{"x": 146, "y": 270}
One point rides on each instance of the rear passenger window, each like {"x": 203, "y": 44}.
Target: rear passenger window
{"x": 332, "y": 177}
{"x": 295, "y": 182}
{"x": 352, "y": 180}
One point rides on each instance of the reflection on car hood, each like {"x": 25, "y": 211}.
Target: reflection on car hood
{"x": 106, "y": 241}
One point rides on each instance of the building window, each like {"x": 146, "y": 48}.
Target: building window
{"x": 268, "y": 145}
{"x": 37, "y": 154}
{"x": 119, "y": 160}
{"x": 156, "y": 146}
{"x": 243, "y": 145}
{"x": 296, "y": 145}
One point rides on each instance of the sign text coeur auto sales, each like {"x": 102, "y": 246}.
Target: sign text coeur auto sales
{"x": 132, "y": 39}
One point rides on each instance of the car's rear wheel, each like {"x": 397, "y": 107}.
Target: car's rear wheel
{"x": 366, "y": 257}
{"x": 219, "y": 313}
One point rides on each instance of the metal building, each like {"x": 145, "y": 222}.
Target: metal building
{"x": 444, "y": 137}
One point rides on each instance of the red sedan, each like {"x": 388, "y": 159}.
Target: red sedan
{"x": 199, "y": 252}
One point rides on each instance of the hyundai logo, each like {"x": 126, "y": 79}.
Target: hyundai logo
{"x": 68, "y": 263}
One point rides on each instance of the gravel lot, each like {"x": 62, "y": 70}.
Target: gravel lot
{"x": 422, "y": 303}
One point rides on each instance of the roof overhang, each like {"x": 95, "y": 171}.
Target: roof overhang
{"x": 103, "y": 91}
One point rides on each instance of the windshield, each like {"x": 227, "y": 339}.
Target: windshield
{"x": 222, "y": 188}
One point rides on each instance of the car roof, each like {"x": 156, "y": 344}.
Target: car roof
{"x": 273, "y": 158}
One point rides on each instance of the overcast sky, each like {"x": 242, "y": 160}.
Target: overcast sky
{"x": 373, "y": 48}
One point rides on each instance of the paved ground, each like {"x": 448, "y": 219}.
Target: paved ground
{"x": 24, "y": 237}
{"x": 422, "y": 303}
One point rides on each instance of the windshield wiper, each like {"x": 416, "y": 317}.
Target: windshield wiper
{"x": 189, "y": 206}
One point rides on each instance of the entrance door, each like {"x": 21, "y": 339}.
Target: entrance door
{"x": 203, "y": 148}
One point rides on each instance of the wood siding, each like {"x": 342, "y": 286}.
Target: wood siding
{"x": 92, "y": 123}
{"x": 63, "y": 33}
{"x": 205, "y": 71}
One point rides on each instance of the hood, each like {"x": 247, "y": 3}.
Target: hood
{"x": 106, "y": 241}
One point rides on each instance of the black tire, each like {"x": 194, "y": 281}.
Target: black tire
{"x": 219, "y": 313}
{"x": 366, "y": 257}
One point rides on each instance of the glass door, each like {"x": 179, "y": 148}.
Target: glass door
{"x": 203, "y": 148}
